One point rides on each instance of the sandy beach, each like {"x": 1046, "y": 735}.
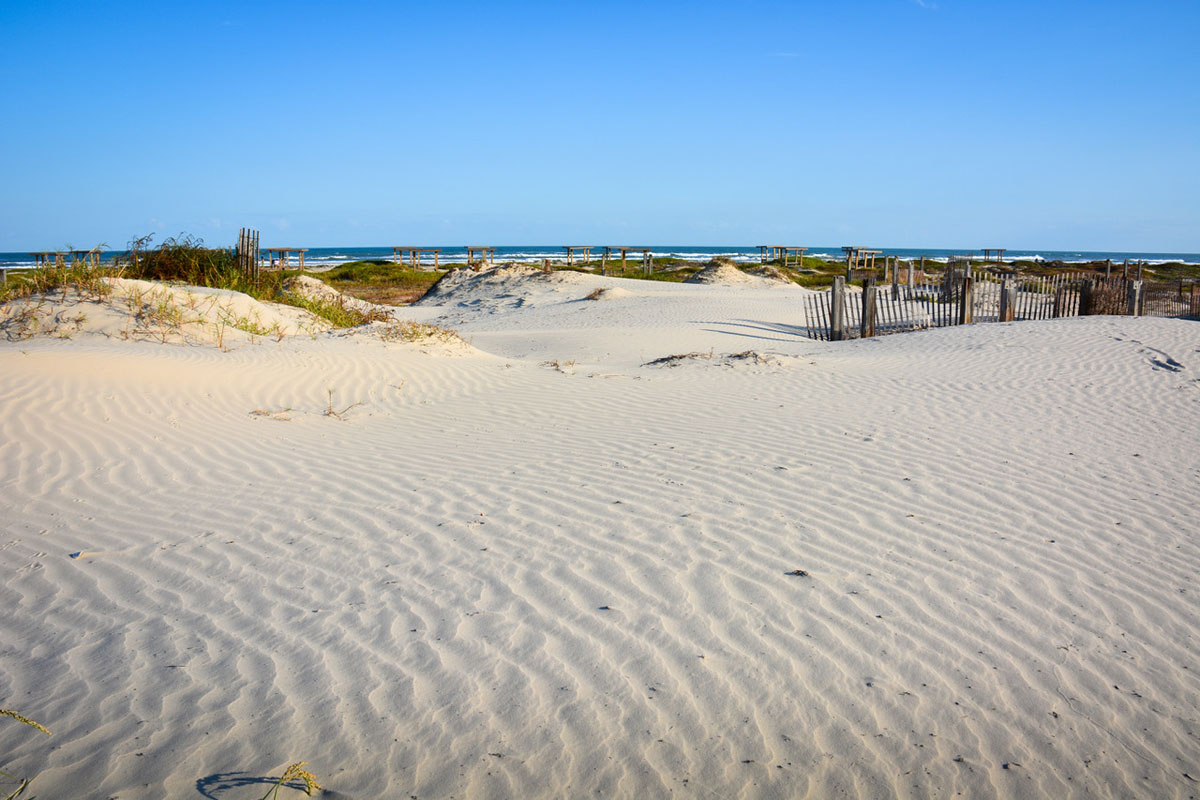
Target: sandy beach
{"x": 548, "y": 560}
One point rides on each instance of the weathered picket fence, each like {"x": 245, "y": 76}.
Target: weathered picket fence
{"x": 845, "y": 313}
{"x": 957, "y": 297}
{"x": 248, "y": 256}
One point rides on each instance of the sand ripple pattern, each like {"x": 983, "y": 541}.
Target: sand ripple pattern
{"x": 495, "y": 579}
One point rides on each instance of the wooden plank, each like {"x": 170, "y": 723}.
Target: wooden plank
{"x": 1133, "y": 298}
{"x": 966, "y": 310}
{"x": 1008, "y": 301}
{"x": 1087, "y": 298}
{"x": 867, "y": 323}
{"x": 837, "y": 309}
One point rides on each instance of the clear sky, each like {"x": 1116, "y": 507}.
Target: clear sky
{"x": 899, "y": 123}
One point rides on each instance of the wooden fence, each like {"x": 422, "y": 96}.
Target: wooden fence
{"x": 959, "y": 298}
{"x": 843, "y": 314}
{"x": 249, "y": 258}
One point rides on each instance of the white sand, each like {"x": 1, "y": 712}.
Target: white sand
{"x": 505, "y": 574}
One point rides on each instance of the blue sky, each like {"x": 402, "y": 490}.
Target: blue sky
{"x": 898, "y": 123}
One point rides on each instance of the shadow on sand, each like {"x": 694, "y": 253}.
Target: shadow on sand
{"x": 792, "y": 332}
{"x": 216, "y": 785}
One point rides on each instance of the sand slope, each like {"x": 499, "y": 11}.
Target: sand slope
{"x": 502, "y": 577}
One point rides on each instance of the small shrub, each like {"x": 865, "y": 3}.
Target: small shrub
{"x": 405, "y": 331}
{"x": 336, "y": 312}
{"x": 89, "y": 281}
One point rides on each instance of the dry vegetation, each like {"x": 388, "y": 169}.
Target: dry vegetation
{"x": 419, "y": 332}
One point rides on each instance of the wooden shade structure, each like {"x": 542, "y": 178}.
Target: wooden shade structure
{"x": 488, "y": 254}
{"x": 414, "y": 255}
{"x": 586, "y": 249}
{"x": 859, "y": 258}
{"x": 777, "y": 251}
{"x": 44, "y": 258}
{"x": 281, "y": 257}
{"x": 647, "y": 262}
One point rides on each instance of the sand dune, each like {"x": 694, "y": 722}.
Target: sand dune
{"x": 535, "y": 567}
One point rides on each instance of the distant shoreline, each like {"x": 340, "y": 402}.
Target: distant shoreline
{"x": 457, "y": 254}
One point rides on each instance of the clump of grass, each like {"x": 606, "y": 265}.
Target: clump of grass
{"x": 678, "y": 358}
{"x": 28, "y": 317}
{"x": 728, "y": 359}
{"x": 23, "y": 320}
{"x": 90, "y": 282}
{"x": 295, "y": 773}
{"x": 185, "y": 259}
{"x": 565, "y": 367}
{"x": 337, "y": 313}
{"x": 405, "y": 331}
{"x": 381, "y": 282}
{"x": 255, "y": 327}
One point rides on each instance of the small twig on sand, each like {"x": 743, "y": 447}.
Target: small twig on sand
{"x": 330, "y": 412}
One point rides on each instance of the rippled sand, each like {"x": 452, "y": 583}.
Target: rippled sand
{"x": 536, "y": 567}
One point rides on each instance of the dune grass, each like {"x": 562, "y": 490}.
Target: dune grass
{"x": 418, "y": 332}
{"x": 180, "y": 260}
{"x": 379, "y": 281}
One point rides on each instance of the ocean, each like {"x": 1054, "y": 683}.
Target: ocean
{"x": 332, "y": 256}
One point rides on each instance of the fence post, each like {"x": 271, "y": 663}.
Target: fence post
{"x": 966, "y": 310}
{"x": 896, "y": 280}
{"x": 1087, "y": 298}
{"x": 4, "y": 276}
{"x": 1134, "y": 299}
{"x": 868, "y": 307}
{"x": 1008, "y": 300}
{"x": 848, "y": 267}
{"x": 545, "y": 265}
{"x": 1195, "y": 304}
{"x": 837, "y": 309}
{"x": 949, "y": 278}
